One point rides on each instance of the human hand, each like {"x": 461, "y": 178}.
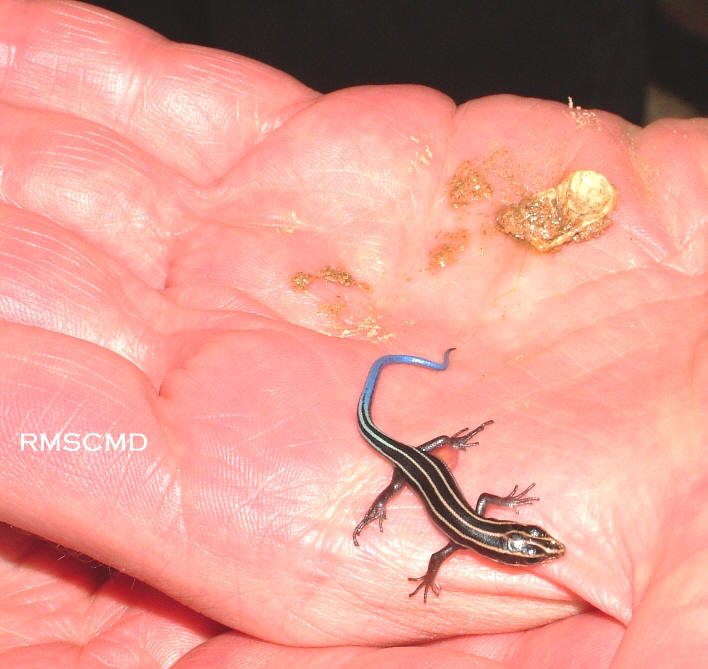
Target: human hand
{"x": 199, "y": 249}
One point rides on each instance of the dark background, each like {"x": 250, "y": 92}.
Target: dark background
{"x": 602, "y": 53}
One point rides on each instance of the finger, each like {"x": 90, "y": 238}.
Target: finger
{"x": 197, "y": 108}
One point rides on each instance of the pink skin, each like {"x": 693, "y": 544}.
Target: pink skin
{"x": 157, "y": 199}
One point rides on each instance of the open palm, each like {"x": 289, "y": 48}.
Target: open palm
{"x": 199, "y": 250}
